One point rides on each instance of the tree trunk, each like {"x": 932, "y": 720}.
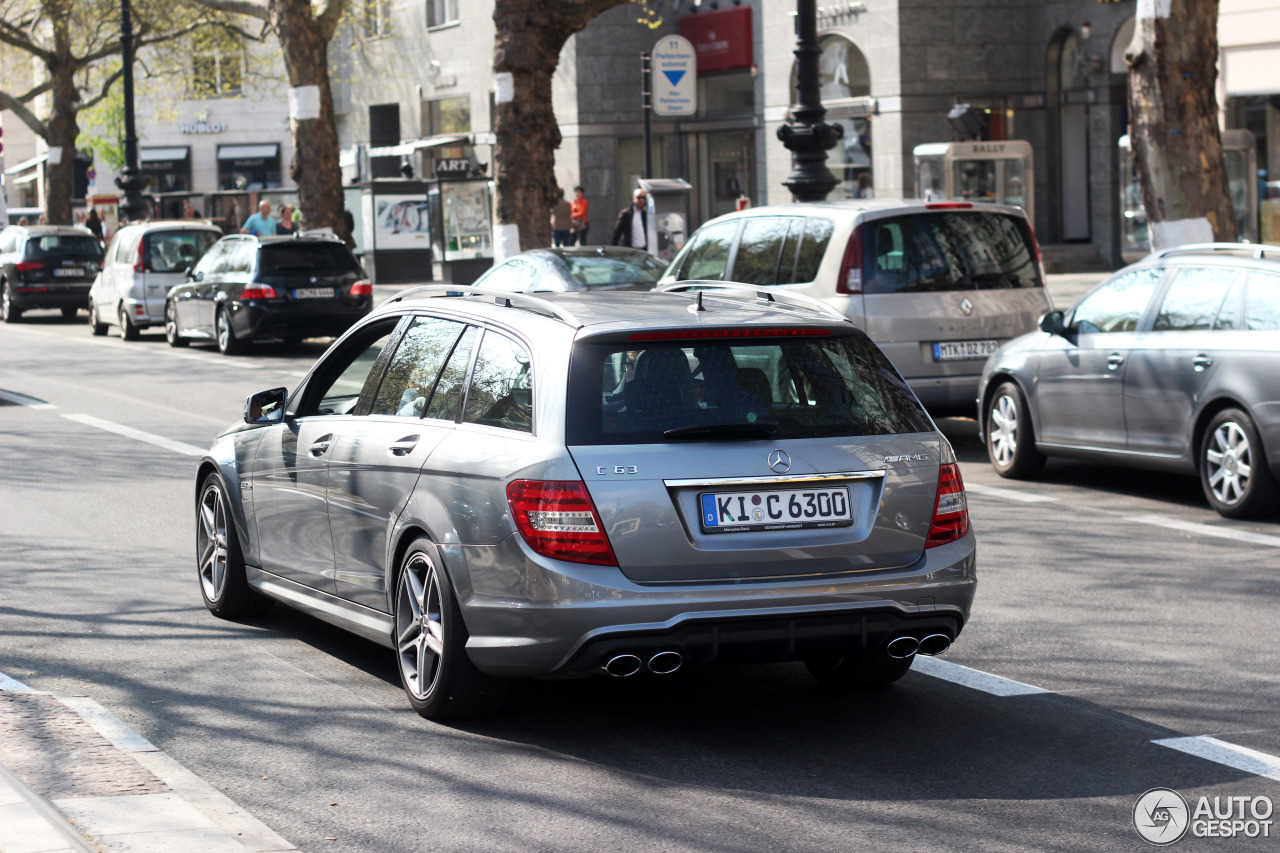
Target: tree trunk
{"x": 1173, "y": 122}
{"x": 528, "y": 40}
{"x": 315, "y": 166}
{"x": 63, "y": 130}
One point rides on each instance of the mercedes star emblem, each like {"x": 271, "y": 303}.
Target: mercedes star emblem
{"x": 779, "y": 462}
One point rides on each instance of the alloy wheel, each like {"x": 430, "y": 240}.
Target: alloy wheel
{"x": 420, "y": 629}
{"x": 1004, "y": 430}
{"x": 223, "y": 331}
{"x": 211, "y": 542}
{"x": 1229, "y": 463}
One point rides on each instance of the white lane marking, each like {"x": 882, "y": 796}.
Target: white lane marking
{"x": 13, "y": 685}
{"x": 138, "y": 435}
{"x": 1229, "y": 754}
{"x": 976, "y": 679}
{"x": 1208, "y": 530}
{"x": 108, "y": 725}
{"x": 1007, "y": 494}
{"x": 23, "y": 400}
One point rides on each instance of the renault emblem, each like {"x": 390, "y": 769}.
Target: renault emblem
{"x": 966, "y": 306}
{"x": 779, "y": 462}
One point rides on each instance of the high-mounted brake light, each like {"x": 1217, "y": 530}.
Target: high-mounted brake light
{"x": 705, "y": 334}
{"x": 950, "y": 509}
{"x": 557, "y": 519}
{"x": 258, "y": 291}
{"x": 850, "y": 279}
{"x": 949, "y": 205}
{"x": 362, "y": 288}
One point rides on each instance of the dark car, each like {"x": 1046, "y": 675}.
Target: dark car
{"x": 46, "y": 266}
{"x": 1172, "y": 364}
{"x": 575, "y": 268}
{"x": 247, "y": 288}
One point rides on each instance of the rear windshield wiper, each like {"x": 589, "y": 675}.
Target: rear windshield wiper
{"x": 760, "y": 429}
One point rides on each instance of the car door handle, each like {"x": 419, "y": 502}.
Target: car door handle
{"x": 1201, "y": 363}
{"x": 404, "y": 446}
{"x": 320, "y": 446}
{"x": 1115, "y": 360}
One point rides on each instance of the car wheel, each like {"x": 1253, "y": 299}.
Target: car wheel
{"x": 219, "y": 561}
{"x": 1011, "y": 441}
{"x": 1233, "y": 467}
{"x": 7, "y": 312}
{"x": 859, "y": 671}
{"x": 228, "y": 343}
{"x": 437, "y": 675}
{"x": 69, "y": 312}
{"x": 128, "y": 331}
{"x": 96, "y": 325}
{"x": 172, "y": 332}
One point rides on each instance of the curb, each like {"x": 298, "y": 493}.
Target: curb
{"x": 162, "y": 806}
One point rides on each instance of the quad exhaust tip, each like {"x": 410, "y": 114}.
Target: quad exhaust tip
{"x": 660, "y": 663}
{"x": 665, "y": 663}
{"x": 902, "y": 647}
{"x": 934, "y": 644}
{"x": 621, "y": 666}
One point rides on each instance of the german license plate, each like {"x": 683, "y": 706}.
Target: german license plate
{"x": 67, "y": 272}
{"x": 948, "y": 350}
{"x": 313, "y": 293}
{"x": 795, "y": 509}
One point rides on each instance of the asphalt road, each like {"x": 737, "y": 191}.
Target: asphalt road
{"x": 1138, "y": 613}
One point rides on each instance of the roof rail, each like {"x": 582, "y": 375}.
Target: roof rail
{"x": 1253, "y": 250}
{"x": 764, "y": 294}
{"x": 504, "y": 298}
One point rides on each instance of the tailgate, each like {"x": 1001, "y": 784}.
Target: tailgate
{"x": 790, "y": 521}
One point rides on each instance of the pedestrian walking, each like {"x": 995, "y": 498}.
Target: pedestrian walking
{"x": 561, "y": 220}
{"x": 286, "y": 225}
{"x": 94, "y": 223}
{"x": 260, "y": 224}
{"x": 579, "y": 224}
{"x": 632, "y": 228}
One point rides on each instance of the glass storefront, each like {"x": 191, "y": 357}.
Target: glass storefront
{"x": 248, "y": 167}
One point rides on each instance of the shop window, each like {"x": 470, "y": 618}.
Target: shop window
{"x": 728, "y": 95}
{"x": 377, "y": 18}
{"x": 447, "y": 115}
{"x": 216, "y": 75}
{"x": 441, "y": 12}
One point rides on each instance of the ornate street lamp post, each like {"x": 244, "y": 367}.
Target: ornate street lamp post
{"x": 807, "y": 136}
{"x": 132, "y": 206}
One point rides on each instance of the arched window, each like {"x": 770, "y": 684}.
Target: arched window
{"x": 844, "y": 78}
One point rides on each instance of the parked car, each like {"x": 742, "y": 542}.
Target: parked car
{"x": 500, "y": 485}
{"x": 142, "y": 262}
{"x": 46, "y": 266}
{"x": 247, "y": 288}
{"x": 938, "y": 285}
{"x": 575, "y": 268}
{"x": 1171, "y": 364}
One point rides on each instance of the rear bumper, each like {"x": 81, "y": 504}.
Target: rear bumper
{"x": 26, "y": 297}
{"x": 264, "y": 319}
{"x": 594, "y": 612}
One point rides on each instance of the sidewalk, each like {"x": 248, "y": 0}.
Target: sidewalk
{"x": 75, "y": 779}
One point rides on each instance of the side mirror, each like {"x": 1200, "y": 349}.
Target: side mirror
{"x": 196, "y": 276}
{"x": 1052, "y": 323}
{"x": 266, "y": 407}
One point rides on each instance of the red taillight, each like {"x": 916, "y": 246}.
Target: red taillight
{"x": 1039, "y": 257}
{"x": 704, "y": 334}
{"x": 558, "y": 520}
{"x": 28, "y": 266}
{"x": 850, "y": 279}
{"x": 362, "y": 288}
{"x": 258, "y": 291}
{"x": 950, "y": 509}
{"x": 949, "y": 205}
{"x": 140, "y": 264}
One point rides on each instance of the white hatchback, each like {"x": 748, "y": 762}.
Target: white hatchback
{"x": 142, "y": 262}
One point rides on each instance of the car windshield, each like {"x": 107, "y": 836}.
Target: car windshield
{"x": 605, "y": 270}
{"x": 748, "y": 388}
{"x": 80, "y": 247}
{"x": 300, "y": 257}
{"x": 973, "y": 250}
{"x": 174, "y": 251}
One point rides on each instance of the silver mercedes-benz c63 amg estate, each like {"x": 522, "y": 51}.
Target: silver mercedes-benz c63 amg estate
{"x": 500, "y": 485}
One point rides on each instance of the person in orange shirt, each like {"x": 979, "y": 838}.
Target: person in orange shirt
{"x": 578, "y": 211}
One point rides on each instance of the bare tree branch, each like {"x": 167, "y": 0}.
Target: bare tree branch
{"x": 28, "y": 118}
{"x": 26, "y": 97}
{"x": 251, "y": 8}
{"x": 330, "y": 17}
{"x": 12, "y": 35}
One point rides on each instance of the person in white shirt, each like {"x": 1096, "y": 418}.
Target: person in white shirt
{"x": 633, "y": 223}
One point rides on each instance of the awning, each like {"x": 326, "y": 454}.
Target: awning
{"x": 404, "y": 149}
{"x": 26, "y": 164}
{"x": 156, "y": 155}
{"x": 248, "y": 152}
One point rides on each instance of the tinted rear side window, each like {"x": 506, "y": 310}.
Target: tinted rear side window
{"x": 305, "y": 257}
{"x": 629, "y": 393}
{"x": 948, "y": 251}
{"x": 64, "y": 246}
{"x": 174, "y": 251}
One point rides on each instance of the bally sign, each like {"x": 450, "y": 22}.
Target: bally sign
{"x": 675, "y": 77}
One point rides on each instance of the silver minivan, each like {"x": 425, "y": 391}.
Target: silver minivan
{"x": 142, "y": 262}
{"x": 938, "y": 285}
